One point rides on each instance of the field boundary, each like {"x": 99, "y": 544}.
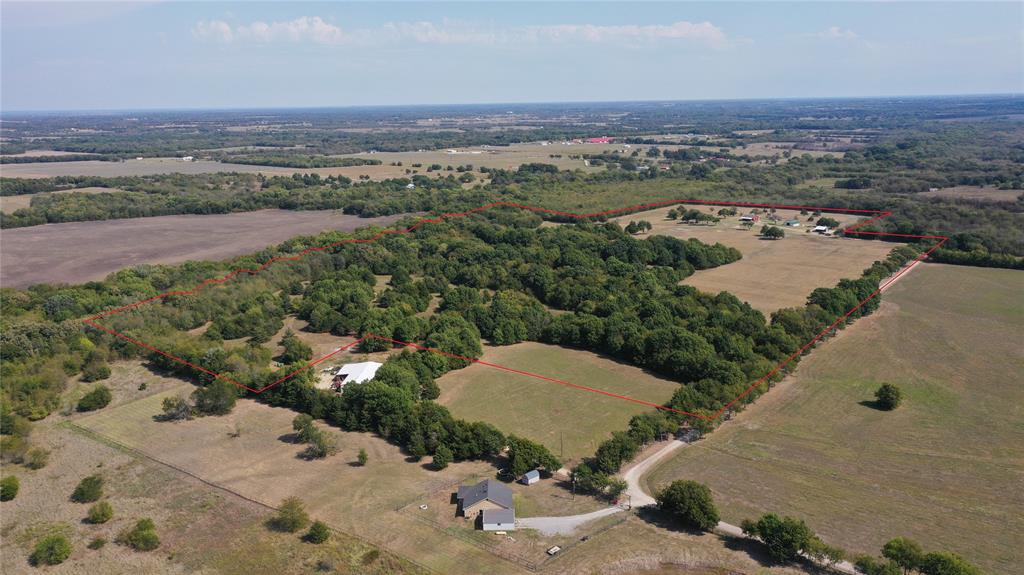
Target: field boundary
{"x": 877, "y": 215}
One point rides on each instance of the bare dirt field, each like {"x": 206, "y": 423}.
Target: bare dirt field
{"x": 975, "y": 193}
{"x": 773, "y": 274}
{"x": 82, "y": 251}
{"x": 945, "y": 468}
{"x": 144, "y": 167}
{"x": 570, "y": 422}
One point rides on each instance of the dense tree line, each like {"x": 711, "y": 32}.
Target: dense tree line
{"x": 303, "y": 161}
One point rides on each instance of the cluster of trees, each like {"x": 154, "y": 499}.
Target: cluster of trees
{"x": 788, "y": 539}
{"x": 595, "y": 474}
{"x": 320, "y": 443}
{"x": 903, "y": 556}
{"x": 692, "y": 216}
{"x": 639, "y": 227}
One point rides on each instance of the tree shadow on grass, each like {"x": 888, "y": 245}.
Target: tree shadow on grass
{"x": 873, "y": 404}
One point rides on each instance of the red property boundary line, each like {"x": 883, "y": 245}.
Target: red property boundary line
{"x": 877, "y": 215}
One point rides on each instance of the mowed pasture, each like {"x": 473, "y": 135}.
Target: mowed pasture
{"x": 77, "y": 252}
{"x": 773, "y": 274}
{"x": 570, "y": 422}
{"x": 945, "y": 468}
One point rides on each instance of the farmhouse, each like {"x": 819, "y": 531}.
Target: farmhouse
{"x": 820, "y": 229}
{"x": 530, "y": 477}
{"x": 602, "y": 140}
{"x": 354, "y": 373}
{"x": 486, "y": 495}
{"x": 750, "y": 218}
{"x": 793, "y": 223}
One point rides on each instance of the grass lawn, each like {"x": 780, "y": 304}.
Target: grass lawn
{"x": 543, "y": 411}
{"x": 945, "y": 468}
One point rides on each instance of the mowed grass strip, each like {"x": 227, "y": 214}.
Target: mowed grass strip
{"x": 945, "y": 468}
{"x": 570, "y": 422}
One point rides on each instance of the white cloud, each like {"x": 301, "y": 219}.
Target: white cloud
{"x": 836, "y": 33}
{"x": 704, "y": 32}
{"x": 315, "y": 30}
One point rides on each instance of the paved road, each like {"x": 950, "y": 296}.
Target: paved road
{"x": 563, "y": 525}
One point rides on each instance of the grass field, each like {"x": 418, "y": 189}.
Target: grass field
{"x": 76, "y": 252}
{"x": 547, "y": 412}
{"x": 773, "y": 273}
{"x": 946, "y": 468}
{"x": 975, "y": 193}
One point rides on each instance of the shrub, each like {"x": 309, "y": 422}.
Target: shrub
{"x": 97, "y": 543}
{"x": 363, "y": 457}
{"x": 100, "y": 512}
{"x": 176, "y": 408}
{"x": 98, "y": 398}
{"x": 442, "y": 457}
{"x": 51, "y": 550}
{"x": 9, "y": 488}
{"x": 37, "y": 458}
{"x": 691, "y": 503}
{"x": 318, "y": 532}
{"x": 141, "y": 537}
{"x": 291, "y": 517}
{"x": 88, "y": 490}
{"x": 217, "y": 398}
{"x": 95, "y": 371}
{"x": 888, "y": 396}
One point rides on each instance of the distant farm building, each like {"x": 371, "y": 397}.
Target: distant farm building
{"x": 530, "y": 477}
{"x": 820, "y": 229}
{"x": 601, "y": 140}
{"x": 754, "y": 218}
{"x": 793, "y": 223}
{"x": 354, "y": 373}
{"x": 488, "y": 495}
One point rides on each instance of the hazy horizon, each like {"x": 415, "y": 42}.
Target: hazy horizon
{"x": 121, "y": 56}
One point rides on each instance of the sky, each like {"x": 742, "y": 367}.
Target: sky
{"x": 125, "y": 55}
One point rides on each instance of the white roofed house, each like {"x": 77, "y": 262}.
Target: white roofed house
{"x": 354, "y": 373}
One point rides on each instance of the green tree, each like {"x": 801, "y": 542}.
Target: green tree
{"x": 363, "y": 457}
{"x": 904, "y": 552}
{"x": 141, "y": 537}
{"x": 525, "y": 455}
{"x": 318, "y": 533}
{"x": 88, "y": 490}
{"x": 291, "y": 516}
{"x": 175, "y": 408}
{"x": 772, "y": 232}
{"x": 691, "y": 503}
{"x": 946, "y": 563}
{"x": 320, "y": 445}
{"x": 9, "y": 488}
{"x": 295, "y": 350}
{"x": 888, "y": 397}
{"x": 100, "y": 512}
{"x": 784, "y": 537}
{"x": 442, "y": 457}
{"x": 96, "y": 399}
{"x": 870, "y": 566}
{"x": 51, "y": 550}
{"x": 304, "y": 428}
{"x": 217, "y": 398}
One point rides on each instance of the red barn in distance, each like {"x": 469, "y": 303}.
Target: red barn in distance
{"x": 601, "y": 140}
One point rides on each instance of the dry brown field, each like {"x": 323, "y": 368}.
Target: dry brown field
{"x": 570, "y": 422}
{"x": 202, "y": 529}
{"x": 379, "y": 502}
{"x": 9, "y": 204}
{"x": 77, "y": 252}
{"x": 975, "y": 193}
{"x": 944, "y": 468}
{"x": 773, "y": 274}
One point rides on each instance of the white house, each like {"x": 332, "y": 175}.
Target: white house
{"x": 354, "y": 373}
{"x": 184, "y": 158}
{"x": 820, "y": 229}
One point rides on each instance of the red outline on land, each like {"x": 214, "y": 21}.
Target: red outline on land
{"x": 629, "y": 209}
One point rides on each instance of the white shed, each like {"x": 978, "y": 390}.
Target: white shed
{"x": 530, "y": 477}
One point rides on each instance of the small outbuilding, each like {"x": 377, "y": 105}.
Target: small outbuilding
{"x": 530, "y": 477}
{"x": 498, "y": 520}
{"x": 750, "y": 218}
{"x": 793, "y": 223}
{"x": 354, "y": 373}
{"x": 820, "y": 229}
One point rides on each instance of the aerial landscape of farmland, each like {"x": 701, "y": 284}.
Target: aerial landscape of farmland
{"x": 509, "y": 288}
